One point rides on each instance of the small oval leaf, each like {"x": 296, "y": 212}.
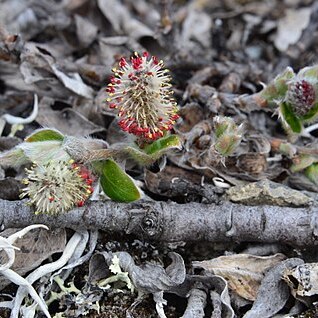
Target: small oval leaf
{"x": 312, "y": 114}
{"x": 312, "y": 173}
{"x": 117, "y": 184}
{"x": 45, "y": 134}
{"x": 303, "y": 161}
{"x": 278, "y": 87}
{"x": 291, "y": 119}
{"x": 163, "y": 144}
{"x": 227, "y": 144}
{"x": 309, "y": 72}
{"x": 42, "y": 152}
{"x": 13, "y": 158}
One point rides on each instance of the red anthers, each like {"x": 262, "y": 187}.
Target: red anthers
{"x": 88, "y": 179}
{"x": 80, "y": 203}
{"x": 302, "y": 96}
{"x": 140, "y": 91}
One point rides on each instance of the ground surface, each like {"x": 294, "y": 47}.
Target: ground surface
{"x": 219, "y": 54}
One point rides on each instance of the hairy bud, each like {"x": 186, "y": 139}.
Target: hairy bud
{"x": 57, "y": 186}
{"x": 228, "y": 135}
{"x": 301, "y": 95}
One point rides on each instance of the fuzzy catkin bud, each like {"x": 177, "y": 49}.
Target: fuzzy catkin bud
{"x": 228, "y": 135}
{"x": 57, "y": 186}
{"x": 301, "y": 95}
{"x": 140, "y": 92}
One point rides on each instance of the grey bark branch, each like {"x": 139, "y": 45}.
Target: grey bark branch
{"x": 169, "y": 221}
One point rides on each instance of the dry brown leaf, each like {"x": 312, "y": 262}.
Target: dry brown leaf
{"x": 121, "y": 19}
{"x": 73, "y": 82}
{"x": 197, "y": 27}
{"x": 244, "y": 272}
{"x": 303, "y": 279}
{"x": 273, "y": 292}
{"x": 85, "y": 30}
{"x": 290, "y": 27}
{"x": 68, "y": 121}
{"x": 10, "y": 188}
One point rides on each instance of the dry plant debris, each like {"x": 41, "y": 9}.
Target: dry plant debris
{"x": 221, "y": 157}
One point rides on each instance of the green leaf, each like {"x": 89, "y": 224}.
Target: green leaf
{"x": 276, "y": 90}
{"x": 309, "y": 72}
{"x": 223, "y": 124}
{"x": 312, "y": 173}
{"x": 117, "y": 184}
{"x": 153, "y": 151}
{"x": 13, "y": 158}
{"x": 227, "y": 144}
{"x": 45, "y": 134}
{"x": 42, "y": 152}
{"x": 287, "y": 149}
{"x": 163, "y": 144}
{"x": 291, "y": 119}
{"x": 302, "y": 162}
{"x": 311, "y": 113}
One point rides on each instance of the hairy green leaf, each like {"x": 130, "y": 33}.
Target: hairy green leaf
{"x": 291, "y": 119}
{"x": 117, "y": 184}
{"x": 309, "y": 72}
{"x": 139, "y": 156}
{"x": 163, "y": 144}
{"x": 312, "y": 113}
{"x": 302, "y": 162}
{"x": 13, "y": 158}
{"x": 42, "y": 152}
{"x": 312, "y": 173}
{"x": 277, "y": 89}
{"x": 45, "y": 134}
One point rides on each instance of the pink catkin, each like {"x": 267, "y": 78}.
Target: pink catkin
{"x": 140, "y": 92}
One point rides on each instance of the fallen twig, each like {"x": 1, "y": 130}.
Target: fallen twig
{"x": 169, "y": 221}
